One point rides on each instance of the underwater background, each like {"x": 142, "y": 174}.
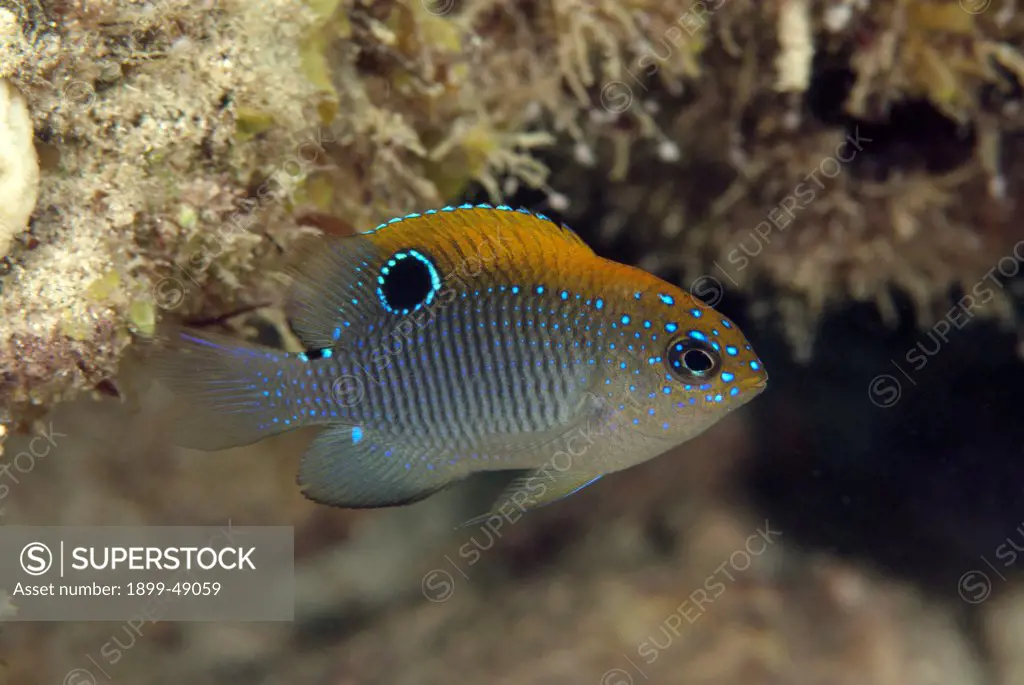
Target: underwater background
{"x": 841, "y": 178}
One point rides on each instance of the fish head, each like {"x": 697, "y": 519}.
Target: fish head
{"x": 688, "y": 365}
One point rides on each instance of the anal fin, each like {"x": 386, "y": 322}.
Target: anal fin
{"x": 536, "y": 489}
{"x": 359, "y": 468}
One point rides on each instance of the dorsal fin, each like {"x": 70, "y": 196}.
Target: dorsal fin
{"x": 536, "y": 221}
{"x": 338, "y": 280}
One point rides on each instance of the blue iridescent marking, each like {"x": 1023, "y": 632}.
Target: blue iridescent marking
{"x": 734, "y": 392}
{"x": 302, "y": 357}
{"x": 731, "y": 350}
{"x": 727, "y": 377}
{"x": 599, "y": 303}
{"x": 697, "y": 335}
{"x": 697, "y": 313}
{"x": 435, "y": 280}
{"x": 755, "y": 366}
{"x": 625, "y": 319}
{"x": 726, "y": 323}
{"x": 647, "y": 324}
{"x": 540, "y": 290}
{"x": 636, "y": 295}
{"x": 565, "y": 294}
{"x": 515, "y": 290}
{"x": 589, "y": 482}
{"x": 671, "y": 327}
{"x": 667, "y": 299}
{"x": 357, "y": 434}
{"x": 667, "y": 390}
{"x": 718, "y": 398}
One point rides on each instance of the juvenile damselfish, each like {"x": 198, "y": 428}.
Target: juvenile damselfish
{"x": 467, "y": 339}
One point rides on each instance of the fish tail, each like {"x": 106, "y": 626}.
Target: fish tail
{"x": 231, "y": 392}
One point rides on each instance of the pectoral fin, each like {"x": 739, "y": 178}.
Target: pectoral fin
{"x": 357, "y": 468}
{"x": 536, "y": 489}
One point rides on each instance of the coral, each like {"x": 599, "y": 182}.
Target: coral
{"x": 887, "y": 160}
{"x": 133, "y": 110}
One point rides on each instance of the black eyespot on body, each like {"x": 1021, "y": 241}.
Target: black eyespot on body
{"x": 689, "y": 359}
{"x": 408, "y": 280}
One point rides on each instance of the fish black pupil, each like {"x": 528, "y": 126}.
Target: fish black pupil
{"x": 691, "y": 359}
{"x": 407, "y": 283}
{"x": 697, "y": 361}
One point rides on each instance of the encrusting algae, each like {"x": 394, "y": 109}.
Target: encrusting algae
{"x": 184, "y": 146}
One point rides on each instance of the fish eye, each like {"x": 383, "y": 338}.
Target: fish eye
{"x": 689, "y": 359}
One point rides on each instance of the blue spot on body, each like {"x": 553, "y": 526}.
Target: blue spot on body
{"x": 697, "y": 313}
{"x": 599, "y": 303}
{"x": 357, "y": 435}
{"x": 727, "y": 377}
{"x": 667, "y": 299}
{"x": 755, "y": 366}
{"x": 671, "y": 327}
{"x": 697, "y": 335}
{"x": 731, "y": 350}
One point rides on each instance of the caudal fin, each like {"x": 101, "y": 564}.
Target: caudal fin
{"x": 229, "y": 393}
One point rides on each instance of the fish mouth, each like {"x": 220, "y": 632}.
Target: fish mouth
{"x": 755, "y": 384}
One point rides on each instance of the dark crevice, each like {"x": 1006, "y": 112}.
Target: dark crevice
{"x": 913, "y": 135}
